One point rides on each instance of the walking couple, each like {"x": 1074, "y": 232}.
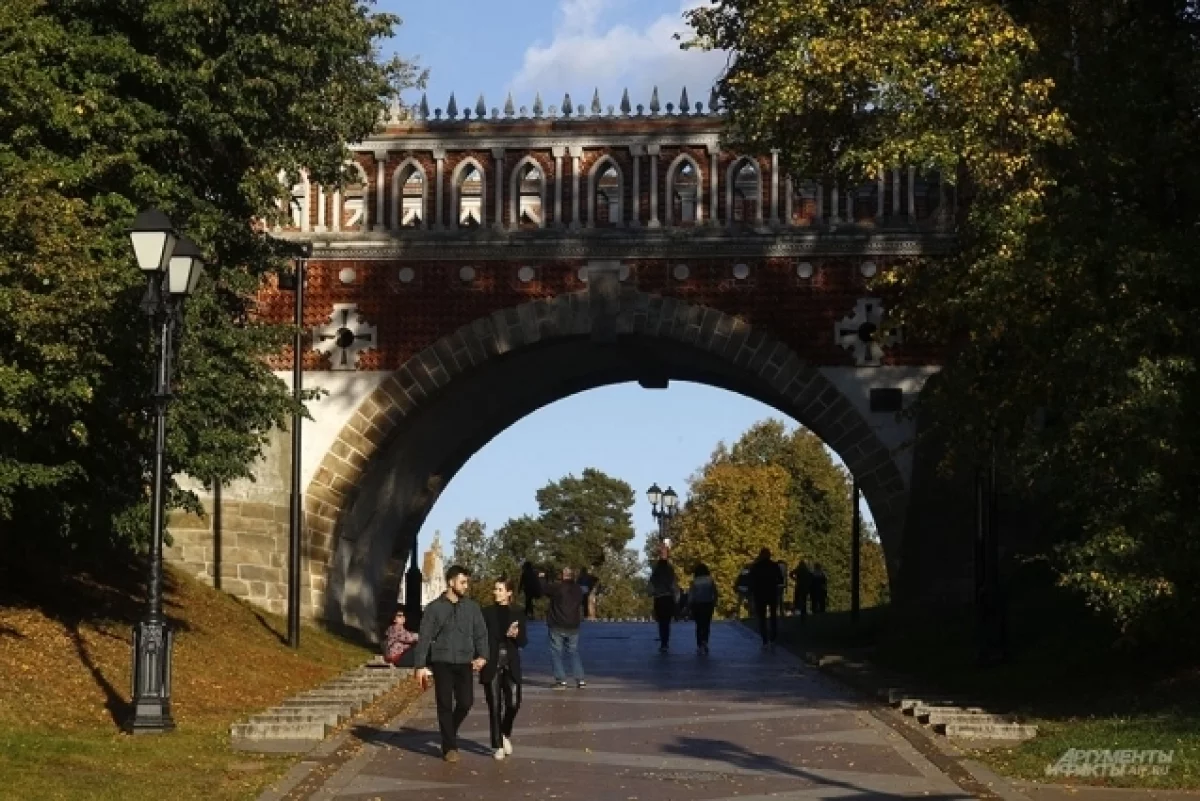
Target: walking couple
{"x": 459, "y": 639}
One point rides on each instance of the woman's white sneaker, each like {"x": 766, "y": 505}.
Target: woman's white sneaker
{"x": 507, "y": 745}
{"x": 499, "y": 753}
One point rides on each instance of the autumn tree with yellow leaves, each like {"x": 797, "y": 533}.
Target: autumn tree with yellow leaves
{"x": 1070, "y": 130}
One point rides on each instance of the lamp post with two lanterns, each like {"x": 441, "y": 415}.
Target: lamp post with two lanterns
{"x": 172, "y": 264}
{"x": 663, "y": 507}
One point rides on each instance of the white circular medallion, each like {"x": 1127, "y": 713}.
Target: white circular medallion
{"x": 406, "y": 275}
{"x": 867, "y": 269}
{"x": 681, "y": 272}
{"x": 525, "y": 274}
{"x": 741, "y": 271}
{"x": 804, "y": 269}
{"x": 346, "y": 276}
{"x": 466, "y": 273}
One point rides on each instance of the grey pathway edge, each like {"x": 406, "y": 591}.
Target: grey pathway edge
{"x": 740, "y": 724}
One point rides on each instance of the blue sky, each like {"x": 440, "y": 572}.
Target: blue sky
{"x": 552, "y": 46}
{"x": 576, "y": 46}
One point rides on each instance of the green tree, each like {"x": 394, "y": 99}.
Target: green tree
{"x": 732, "y": 511}
{"x": 516, "y": 541}
{"x": 819, "y": 506}
{"x": 474, "y": 550}
{"x": 623, "y": 592}
{"x": 111, "y": 106}
{"x": 1070, "y": 128}
{"x": 585, "y": 518}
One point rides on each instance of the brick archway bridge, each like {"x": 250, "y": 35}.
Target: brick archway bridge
{"x": 481, "y": 268}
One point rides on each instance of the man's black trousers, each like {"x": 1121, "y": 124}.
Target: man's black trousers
{"x": 763, "y": 605}
{"x": 453, "y": 691}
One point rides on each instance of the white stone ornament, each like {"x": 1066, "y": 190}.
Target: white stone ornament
{"x": 804, "y": 269}
{"x": 526, "y": 274}
{"x": 681, "y": 272}
{"x": 466, "y": 273}
{"x": 865, "y": 334}
{"x": 868, "y": 269}
{"x": 345, "y": 336}
{"x": 406, "y": 275}
{"x": 347, "y": 275}
{"x": 741, "y": 271}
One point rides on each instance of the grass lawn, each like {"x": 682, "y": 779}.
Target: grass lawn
{"x": 65, "y": 683}
{"x": 1059, "y": 675}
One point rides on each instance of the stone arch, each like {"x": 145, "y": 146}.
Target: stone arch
{"x": 456, "y": 191}
{"x": 514, "y": 197}
{"x": 672, "y": 170}
{"x": 730, "y": 188}
{"x": 388, "y": 464}
{"x": 594, "y": 174}
{"x": 400, "y": 176}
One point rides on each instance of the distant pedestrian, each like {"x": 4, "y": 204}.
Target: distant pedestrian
{"x": 741, "y": 586}
{"x": 703, "y": 598}
{"x": 802, "y": 577}
{"x": 664, "y": 588}
{"x": 564, "y": 619}
{"x": 501, "y": 676}
{"x": 783, "y": 577}
{"x": 820, "y": 589}
{"x": 453, "y": 643}
{"x": 398, "y": 640}
{"x": 530, "y": 586}
{"x": 764, "y": 589}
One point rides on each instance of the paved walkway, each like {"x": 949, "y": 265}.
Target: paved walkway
{"x": 738, "y": 724}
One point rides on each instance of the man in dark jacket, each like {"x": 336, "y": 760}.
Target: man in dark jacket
{"x": 564, "y": 618}
{"x": 501, "y": 676}
{"x": 453, "y": 643}
{"x": 764, "y": 581}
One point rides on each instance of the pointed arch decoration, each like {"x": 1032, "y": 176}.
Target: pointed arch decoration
{"x": 456, "y": 191}
{"x": 339, "y": 200}
{"x": 400, "y": 176}
{"x": 730, "y": 188}
{"x": 514, "y": 199}
{"x": 678, "y": 161}
{"x": 594, "y": 174}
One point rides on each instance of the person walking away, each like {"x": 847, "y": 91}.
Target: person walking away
{"x": 703, "y": 595}
{"x": 663, "y": 587}
{"x": 564, "y": 619}
{"x": 802, "y": 577}
{"x": 501, "y": 676}
{"x": 783, "y": 577}
{"x": 453, "y": 642}
{"x": 530, "y": 586}
{"x": 764, "y": 589}
{"x": 820, "y": 589}
{"x": 741, "y": 586}
{"x": 398, "y": 640}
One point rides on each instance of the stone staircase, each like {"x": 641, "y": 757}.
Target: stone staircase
{"x": 953, "y": 717}
{"x": 304, "y": 720}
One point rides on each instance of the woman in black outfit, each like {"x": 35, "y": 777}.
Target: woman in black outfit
{"x": 501, "y": 676}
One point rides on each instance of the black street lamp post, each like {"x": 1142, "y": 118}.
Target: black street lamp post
{"x": 172, "y": 265}
{"x": 663, "y": 507}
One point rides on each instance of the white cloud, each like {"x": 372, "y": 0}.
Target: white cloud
{"x": 586, "y": 54}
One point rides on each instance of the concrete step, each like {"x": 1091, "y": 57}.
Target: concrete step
{"x": 323, "y": 706}
{"x": 908, "y": 702}
{"x": 925, "y": 711}
{"x": 981, "y": 731}
{"x": 299, "y": 716}
{"x": 968, "y": 718}
{"x": 279, "y": 731}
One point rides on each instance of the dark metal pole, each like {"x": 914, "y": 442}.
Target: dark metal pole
{"x": 152, "y": 637}
{"x": 295, "y": 516}
{"x": 855, "y": 555}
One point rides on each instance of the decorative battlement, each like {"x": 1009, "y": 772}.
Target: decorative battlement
{"x": 398, "y": 114}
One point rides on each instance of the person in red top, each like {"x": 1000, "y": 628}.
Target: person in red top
{"x": 398, "y": 640}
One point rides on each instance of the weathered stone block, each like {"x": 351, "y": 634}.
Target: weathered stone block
{"x": 259, "y": 573}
